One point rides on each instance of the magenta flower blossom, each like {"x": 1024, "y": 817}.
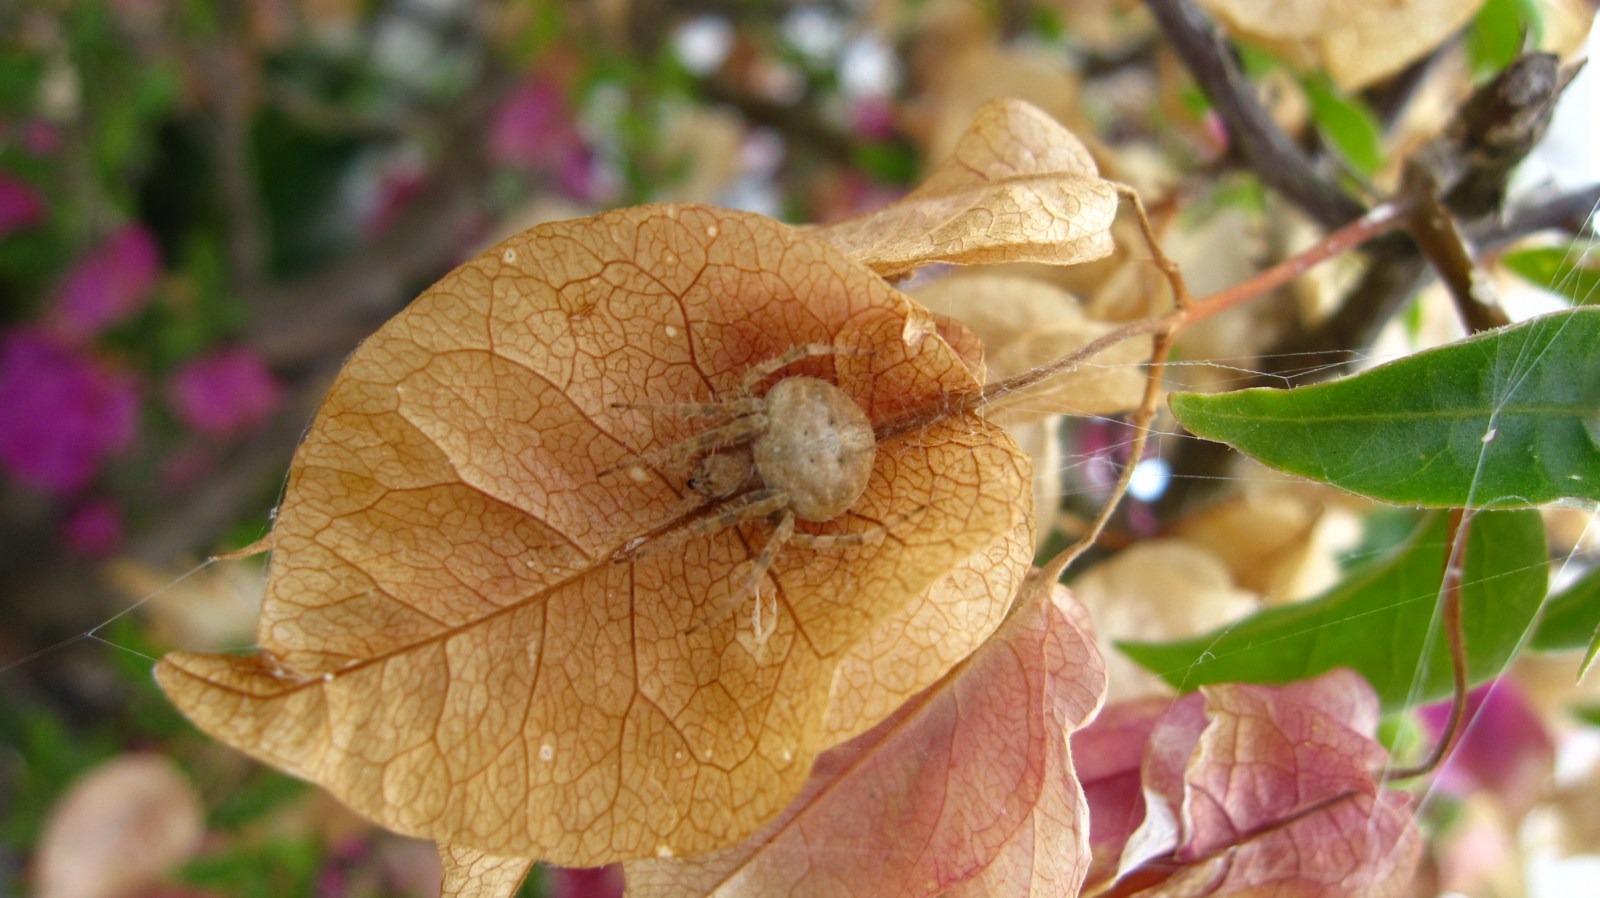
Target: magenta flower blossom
{"x": 584, "y": 882}
{"x": 94, "y": 529}
{"x": 223, "y": 394}
{"x": 1505, "y": 748}
{"x": 20, "y": 205}
{"x": 62, "y": 414}
{"x": 535, "y": 129}
{"x": 108, "y": 285}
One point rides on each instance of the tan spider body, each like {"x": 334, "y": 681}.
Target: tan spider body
{"x": 803, "y": 451}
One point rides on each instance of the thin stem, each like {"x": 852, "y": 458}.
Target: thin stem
{"x": 1142, "y": 419}
{"x": 1450, "y": 610}
{"x": 1380, "y": 220}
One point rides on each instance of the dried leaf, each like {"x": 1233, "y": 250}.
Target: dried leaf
{"x": 970, "y": 779}
{"x": 1024, "y": 323}
{"x": 1270, "y": 790}
{"x": 1166, "y": 586}
{"x": 921, "y": 641}
{"x": 469, "y": 873}
{"x": 450, "y": 646}
{"x": 1108, "y": 756}
{"x": 1279, "y": 541}
{"x": 118, "y": 829}
{"x": 1356, "y": 41}
{"x": 1019, "y": 188}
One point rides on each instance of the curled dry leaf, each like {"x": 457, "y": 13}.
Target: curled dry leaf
{"x": 469, "y": 873}
{"x": 119, "y": 829}
{"x": 966, "y": 787}
{"x": 1023, "y": 323}
{"x": 1019, "y": 188}
{"x": 1356, "y": 41}
{"x": 459, "y": 637}
{"x": 1252, "y": 790}
{"x": 1280, "y": 542}
{"x": 1158, "y": 589}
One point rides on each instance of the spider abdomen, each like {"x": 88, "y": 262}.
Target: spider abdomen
{"x": 818, "y": 447}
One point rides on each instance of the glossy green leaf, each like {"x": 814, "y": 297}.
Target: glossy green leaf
{"x": 1570, "y": 271}
{"x": 1571, "y": 617}
{"x": 1500, "y": 30}
{"x": 1347, "y": 124}
{"x": 1381, "y": 621}
{"x": 1509, "y": 418}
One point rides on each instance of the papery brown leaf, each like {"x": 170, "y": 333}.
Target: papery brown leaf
{"x": 1279, "y": 541}
{"x": 969, "y": 779}
{"x": 449, "y": 645}
{"x": 1253, "y": 790}
{"x": 1356, "y": 41}
{"x": 118, "y": 829}
{"x": 1157, "y": 589}
{"x": 470, "y": 873}
{"x": 1024, "y": 323}
{"x": 921, "y": 641}
{"x": 1019, "y": 188}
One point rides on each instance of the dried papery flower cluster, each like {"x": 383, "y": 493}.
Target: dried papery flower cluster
{"x": 675, "y": 536}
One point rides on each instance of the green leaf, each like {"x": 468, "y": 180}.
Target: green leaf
{"x": 1382, "y": 621}
{"x": 1499, "y": 31}
{"x": 1568, "y": 271}
{"x": 1509, "y": 418}
{"x": 1349, "y": 126}
{"x": 1571, "y": 618}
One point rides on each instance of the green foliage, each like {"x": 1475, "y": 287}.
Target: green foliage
{"x": 1568, "y": 271}
{"x": 1500, "y": 30}
{"x": 45, "y": 756}
{"x": 1572, "y": 620}
{"x": 1505, "y": 419}
{"x": 1382, "y": 620}
{"x": 1346, "y": 123}
{"x": 262, "y": 870}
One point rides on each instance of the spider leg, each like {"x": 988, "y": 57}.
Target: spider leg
{"x": 731, "y": 408}
{"x": 740, "y": 430}
{"x": 870, "y": 536}
{"x": 874, "y": 534}
{"x": 757, "y": 504}
{"x": 758, "y": 372}
{"x": 752, "y": 581}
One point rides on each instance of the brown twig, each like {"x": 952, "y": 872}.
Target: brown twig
{"x": 1266, "y": 149}
{"x": 1442, "y": 244}
{"x": 1450, "y": 610}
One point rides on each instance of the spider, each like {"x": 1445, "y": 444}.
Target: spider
{"x": 803, "y": 451}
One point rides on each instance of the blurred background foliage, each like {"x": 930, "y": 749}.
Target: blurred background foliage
{"x": 205, "y": 206}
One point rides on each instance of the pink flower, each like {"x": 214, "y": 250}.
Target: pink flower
{"x": 61, "y": 413}
{"x": 108, "y": 285}
{"x": 20, "y": 205}
{"x": 1504, "y": 749}
{"x": 225, "y": 393}
{"x": 535, "y": 129}
{"x": 41, "y": 138}
{"x": 584, "y": 882}
{"x": 94, "y": 529}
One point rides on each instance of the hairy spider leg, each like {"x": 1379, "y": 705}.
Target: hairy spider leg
{"x": 730, "y": 408}
{"x": 759, "y": 371}
{"x": 748, "y": 507}
{"x": 740, "y": 430}
{"x": 752, "y": 581}
{"x": 874, "y": 534}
